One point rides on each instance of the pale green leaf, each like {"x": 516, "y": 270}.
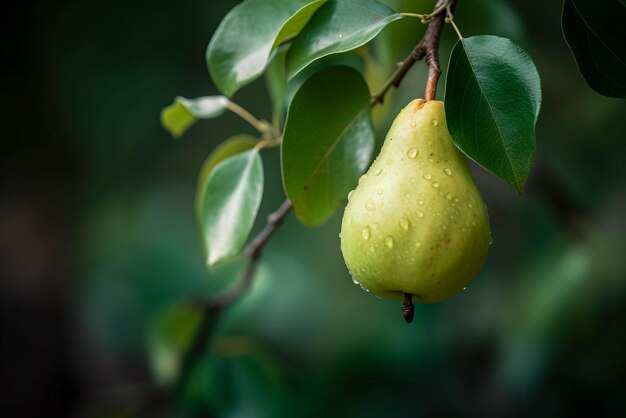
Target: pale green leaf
{"x": 228, "y": 148}
{"x": 179, "y": 116}
{"x": 230, "y": 203}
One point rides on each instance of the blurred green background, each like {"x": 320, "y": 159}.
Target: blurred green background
{"x": 99, "y": 247}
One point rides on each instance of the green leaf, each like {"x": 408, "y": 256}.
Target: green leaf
{"x": 228, "y": 148}
{"x": 349, "y": 60}
{"x": 230, "y": 203}
{"x": 281, "y": 93}
{"x": 276, "y": 82}
{"x": 327, "y": 143}
{"x": 169, "y": 336}
{"x": 241, "y": 46}
{"x": 492, "y": 99}
{"x": 179, "y": 116}
{"x": 338, "y": 26}
{"x": 297, "y": 21}
{"x": 594, "y": 31}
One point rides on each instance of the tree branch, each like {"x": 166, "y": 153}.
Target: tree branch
{"x": 213, "y": 307}
{"x": 427, "y": 48}
{"x": 253, "y": 252}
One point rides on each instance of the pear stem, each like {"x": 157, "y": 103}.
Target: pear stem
{"x": 408, "y": 309}
{"x": 431, "y": 46}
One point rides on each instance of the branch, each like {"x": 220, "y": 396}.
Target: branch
{"x": 253, "y": 252}
{"x": 213, "y": 307}
{"x": 427, "y": 48}
{"x": 257, "y": 124}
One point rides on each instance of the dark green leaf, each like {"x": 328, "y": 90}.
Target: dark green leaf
{"x": 243, "y": 42}
{"x": 230, "y": 203}
{"x": 350, "y": 60}
{"x": 328, "y": 142}
{"x": 281, "y": 93}
{"x": 179, "y": 116}
{"x": 492, "y": 99}
{"x": 594, "y": 30}
{"x": 338, "y": 26}
{"x": 230, "y": 147}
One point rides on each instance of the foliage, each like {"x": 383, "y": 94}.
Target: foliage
{"x": 327, "y": 145}
{"x": 339, "y": 26}
{"x": 241, "y": 47}
{"x": 493, "y": 96}
{"x": 328, "y": 135}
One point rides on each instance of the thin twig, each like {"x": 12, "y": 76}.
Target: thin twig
{"x": 253, "y": 252}
{"x": 440, "y": 7}
{"x": 450, "y": 20}
{"x": 427, "y": 48}
{"x": 259, "y": 125}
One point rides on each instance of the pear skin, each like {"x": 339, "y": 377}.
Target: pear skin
{"x": 416, "y": 222}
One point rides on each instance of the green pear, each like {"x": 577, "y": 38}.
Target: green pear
{"x": 416, "y": 223}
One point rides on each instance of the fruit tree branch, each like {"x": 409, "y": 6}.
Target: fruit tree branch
{"x": 428, "y": 49}
{"x": 253, "y": 252}
{"x": 213, "y": 307}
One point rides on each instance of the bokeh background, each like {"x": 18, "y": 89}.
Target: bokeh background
{"x": 99, "y": 247}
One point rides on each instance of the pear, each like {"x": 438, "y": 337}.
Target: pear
{"x": 416, "y": 223}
